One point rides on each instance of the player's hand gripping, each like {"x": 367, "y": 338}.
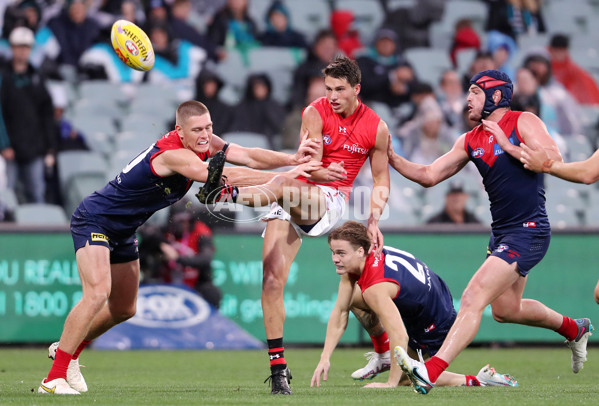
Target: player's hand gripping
{"x": 537, "y": 158}
{"x": 322, "y": 370}
{"x": 304, "y": 169}
{"x": 335, "y": 171}
{"x": 376, "y": 238}
{"x": 308, "y": 148}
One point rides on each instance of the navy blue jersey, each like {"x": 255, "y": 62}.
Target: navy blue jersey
{"x": 423, "y": 300}
{"x": 136, "y": 193}
{"x": 516, "y": 194}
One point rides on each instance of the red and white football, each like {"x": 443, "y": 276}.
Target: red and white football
{"x": 132, "y": 45}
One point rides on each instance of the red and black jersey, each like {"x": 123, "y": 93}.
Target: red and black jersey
{"x": 517, "y": 195}
{"x": 136, "y": 193}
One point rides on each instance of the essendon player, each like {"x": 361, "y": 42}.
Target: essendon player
{"x": 348, "y": 132}
{"x": 103, "y": 227}
{"x": 413, "y": 304}
{"x": 520, "y": 230}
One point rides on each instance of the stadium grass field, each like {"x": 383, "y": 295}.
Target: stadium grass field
{"x": 236, "y": 378}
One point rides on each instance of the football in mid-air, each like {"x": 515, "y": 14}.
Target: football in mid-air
{"x": 132, "y": 45}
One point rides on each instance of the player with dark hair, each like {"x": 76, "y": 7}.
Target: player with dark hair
{"x": 520, "y": 230}
{"x": 535, "y": 157}
{"x": 347, "y": 132}
{"x": 103, "y": 227}
{"x": 413, "y": 304}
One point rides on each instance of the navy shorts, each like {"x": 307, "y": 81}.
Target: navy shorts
{"x": 430, "y": 342}
{"x": 85, "y": 230}
{"x": 525, "y": 246}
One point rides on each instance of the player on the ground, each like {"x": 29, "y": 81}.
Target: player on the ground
{"x": 413, "y": 304}
{"x": 103, "y": 226}
{"x": 520, "y": 230}
{"x": 347, "y": 132}
{"x": 536, "y": 158}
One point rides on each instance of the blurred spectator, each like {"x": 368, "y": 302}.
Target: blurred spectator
{"x": 68, "y": 137}
{"x": 182, "y": 29}
{"x": 515, "y": 17}
{"x": 323, "y": 50}
{"x": 258, "y": 112}
{"x": 279, "y": 32}
{"x": 563, "y": 115}
{"x": 482, "y": 61}
{"x": 188, "y": 249}
{"x": 290, "y": 134}
{"x": 175, "y": 59}
{"x": 452, "y": 99}
{"x": 232, "y": 27}
{"x": 526, "y": 98}
{"x": 377, "y": 64}
{"x": 502, "y": 47}
{"x": 74, "y": 30}
{"x": 157, "y": 11}
{"x": 426, "y": 136}
{"x": 208, "y": 85}
{"x": 106, "y": 12}
{"x": 348, "y": 38}
{"x": 465, "y": 37}
{"x": 412, "y": 23}
{"x": 455, "y": 210}
{"x": 28, "y": 145}
{"x": 575, "y": 79}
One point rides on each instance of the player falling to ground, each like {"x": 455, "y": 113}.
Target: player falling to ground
{"x": 413, "y": 304}
{"x": 520, "y": 231}
{"x": 103, "y": 226}
{"x": 536, "y": 158}
{"x": 347, "y": 132}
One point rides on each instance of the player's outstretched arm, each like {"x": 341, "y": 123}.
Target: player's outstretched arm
{"x": 335, "y": 329}
{"x": 536, "y": 158}
{"x": 430, "y": 175}
{"x": 379, "y": 298}
{"x": 379, "y": 166}
{"x": 259, "y": 158}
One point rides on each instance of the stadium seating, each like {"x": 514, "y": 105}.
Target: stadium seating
{"x": 309, "y": 16}
{"x": 40, "y": 214}
{"x": 247, "y": 139}
{"x": 428, "y": 63}
{"x": 367, "y": 19}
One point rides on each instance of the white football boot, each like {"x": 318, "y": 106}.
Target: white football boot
{"x": 56, "y": 387}
{"x": 414, "y": 370}
{"x": 579, "y": 344}
{"x": 377, "y": 363}
{"x": 487, "y": 376}
{"x": 74, "y": 377}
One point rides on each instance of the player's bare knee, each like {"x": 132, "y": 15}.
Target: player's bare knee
{"x": 272, "y": 281}
{"x": 95, "y": 298}
{"x": 501, "y": 316}
{"x": 471, "y": 299}
{"x": 121, "y": 315}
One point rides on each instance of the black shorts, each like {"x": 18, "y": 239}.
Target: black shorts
{"x": 85, "y": 230}
{"x": 430, "y": 342}
{"x": 525, "y": 246}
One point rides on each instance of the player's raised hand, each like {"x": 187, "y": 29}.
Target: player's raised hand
{"x": 309, "y": 147}
{"x": 304, "y": 169}
{"x": 322, "y": 370}
{"x": 336, "y": 171}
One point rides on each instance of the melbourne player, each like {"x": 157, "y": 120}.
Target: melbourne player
{"x": 413, "y": 304}
{"x": 520, "y": 231}
{"x": 103, "y": 226}
{"x": 347, "y": 132}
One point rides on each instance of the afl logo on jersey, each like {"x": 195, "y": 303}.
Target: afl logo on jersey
{"x": 478, "y": 152}
{"x": 326, "y": 138}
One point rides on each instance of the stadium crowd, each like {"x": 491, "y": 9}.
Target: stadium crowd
{"x": 257, "y": 63}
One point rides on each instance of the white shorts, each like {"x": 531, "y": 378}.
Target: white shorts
{"x": 335, "y": 208}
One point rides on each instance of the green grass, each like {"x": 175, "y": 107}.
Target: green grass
{"x": 236, "y": 378}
